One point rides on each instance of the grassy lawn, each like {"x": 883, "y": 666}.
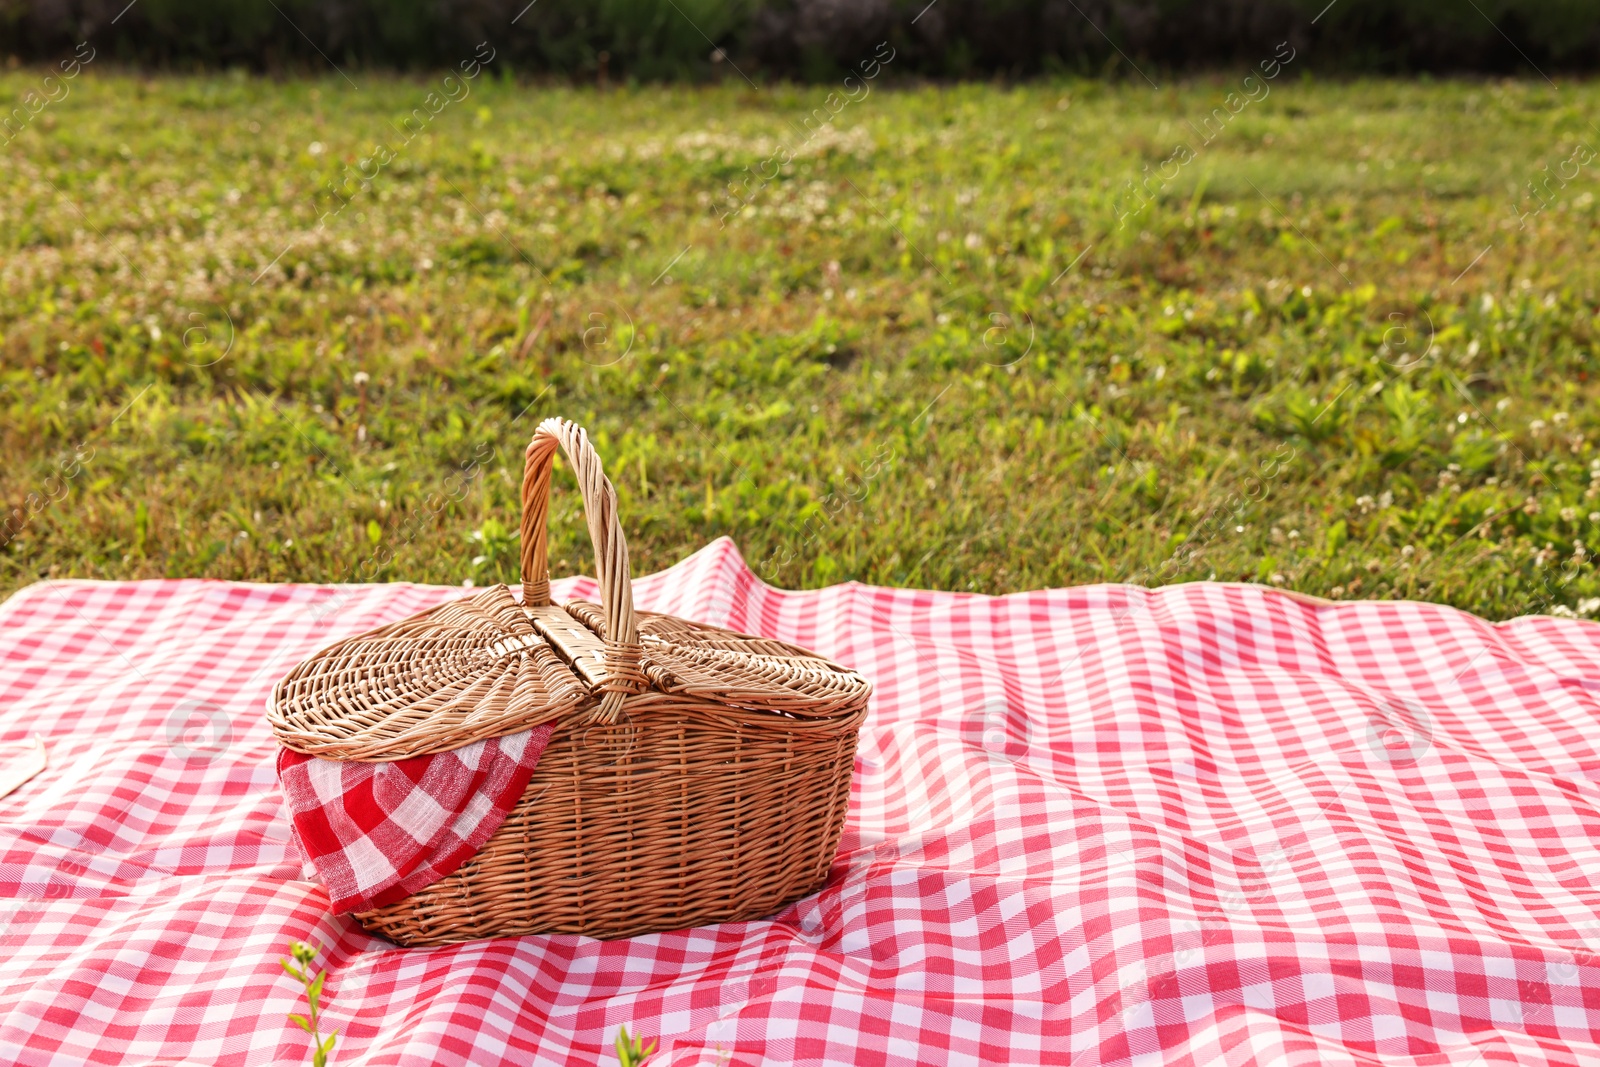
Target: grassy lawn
{"x": 1335, "y": 348}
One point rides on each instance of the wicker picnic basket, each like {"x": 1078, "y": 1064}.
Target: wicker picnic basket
{"x": 696, "y": 775}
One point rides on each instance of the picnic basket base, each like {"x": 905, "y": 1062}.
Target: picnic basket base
{"x": 592, "y": 848}
{"x": 695, "y": 775}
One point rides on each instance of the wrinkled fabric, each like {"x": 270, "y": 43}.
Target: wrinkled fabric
{"x": 1208, "y": 824}
{"x": 378, "y": 832}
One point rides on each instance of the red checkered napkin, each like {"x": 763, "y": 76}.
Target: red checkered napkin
{"x": 378, "y": 832}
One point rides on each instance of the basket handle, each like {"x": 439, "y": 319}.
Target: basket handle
{"x": 623, "y": 673}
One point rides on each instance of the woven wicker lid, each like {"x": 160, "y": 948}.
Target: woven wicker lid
{"x": 464, "y": 671}
{"x": 488, "y": 665}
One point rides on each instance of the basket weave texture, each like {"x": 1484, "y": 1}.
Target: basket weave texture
{"x": 696, "y": 775}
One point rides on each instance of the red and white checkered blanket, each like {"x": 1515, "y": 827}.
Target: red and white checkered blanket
{"x": 1209, "y": 824}
{"x": 378, "y": 832}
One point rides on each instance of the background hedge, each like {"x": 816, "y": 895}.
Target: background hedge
{"x": 653, "y": 39}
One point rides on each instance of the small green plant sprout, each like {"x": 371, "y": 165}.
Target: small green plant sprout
{"x": 303, "y": 955}
{"x": 631, "y": 1051}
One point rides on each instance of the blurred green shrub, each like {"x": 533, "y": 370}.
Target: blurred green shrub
{"x": 662, "y": 39}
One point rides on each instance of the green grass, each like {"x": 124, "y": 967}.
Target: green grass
{"x": 883, "y": 371}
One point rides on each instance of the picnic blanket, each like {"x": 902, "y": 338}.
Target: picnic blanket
{"x": 1208, "y": 824}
